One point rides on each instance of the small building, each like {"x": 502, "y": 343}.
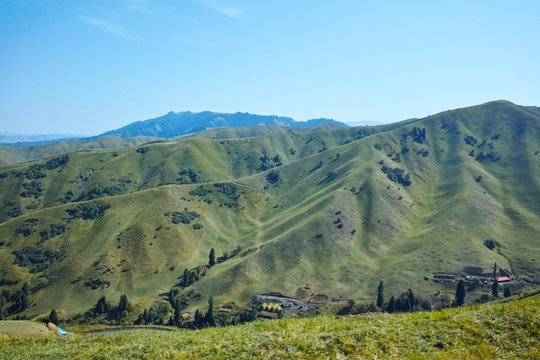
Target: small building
{"x": 503, "y": 279}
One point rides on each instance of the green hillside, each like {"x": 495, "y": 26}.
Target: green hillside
{"x": 17, "y": 154}
{"x": 491, "y": 331}
{"x": 257, "y": 131}
{"x": 338, "y": 209}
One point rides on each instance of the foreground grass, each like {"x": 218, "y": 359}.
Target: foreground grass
{"x": 502, "y": 330}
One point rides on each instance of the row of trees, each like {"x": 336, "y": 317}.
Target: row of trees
{"x": 404, "y": 303}
{"x": 408, "y": 302}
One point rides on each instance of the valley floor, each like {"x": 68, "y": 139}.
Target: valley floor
{"x": 507, "y": 329}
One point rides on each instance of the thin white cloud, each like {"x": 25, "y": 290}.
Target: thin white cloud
{"x": 111, "y": 28}
{"x": 141, "y": 6}
{"x": 225, "y": 10}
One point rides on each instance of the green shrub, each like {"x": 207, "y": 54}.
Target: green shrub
{"x": 25, "y": 230}
{"x": 96, "y": 283}
{"x": 52, "y": 231}
{"x": 34, "y": 188}
{"x": 184, "y": 217}
{"x": 397, "y": 175}
{"x": 33, "y": 255}
{"x": 88, "y": 211}
{"x": 470, "y": 140}
{"x": 15, "y": 211}
{"x": 56, "y": 162}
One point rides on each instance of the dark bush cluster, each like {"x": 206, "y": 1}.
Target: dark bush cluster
{"x": 423, "y": 152}
{"x": 273, "y": 177}
{"x": 491, "y": 244}
{"x": 34, "y": 173}
{"x": 189, "y": 176}
{"x": 184, "y": 217}
{"x": 397, "y": 175}
{"x": 96, "y": 283}
{"x": 143, "y": 150}
{"x": 470, "y": 140}
{"x": 25, "y": 230}
{"x": 15, "y": 211}
{"x": 32, "y": 255}
{"x": 418, "y": 135}
{"x": 268, "y": 162}
{"x": 201, "y": 191}
{"x": 52, "y": 231}
{"x": 88, "y": 211}
{"x": 491, "y": 156}
{"x": 34, "y": 188}
{"x": 8, "y": 282}
{"x": 56, "y": 162}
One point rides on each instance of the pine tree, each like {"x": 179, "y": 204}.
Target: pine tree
{"x": 123, "y": 305}
{"x": 391, "y": 305}
{"x": 22, "y": 301}
{"x": 212, "y": 258}
{"x": 177, "y": 313}
{"x": 507, "y": 292}
{"x": 380, "y": 295}
{"x": 209, "y": 317}
{"x": 198, "y": 321}
{"x": 53, "y": 317}
{"x": 171, "y": 297}
{"x": 2, "y": 302}
{"x": 26, "y": 289}
{"x": 412, "y": 299}
{"x": 187, "y": 278}
{"x": 460, "y": 293}
{"x": 495, "y": 285}
{"x": 101, "y": 305}
{"x": 495, "y": 288}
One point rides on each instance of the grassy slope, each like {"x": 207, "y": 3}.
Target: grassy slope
{"x": 24, "y": 328}
{"x": 257, "y": 131}
{"x": 503, "y": 330}
{"x": 439, "y": 224}
{"x": 215, "y": 160}
{"x": 16, "y": 154}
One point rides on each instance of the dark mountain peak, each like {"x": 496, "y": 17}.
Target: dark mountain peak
{"x": 182, "y": 123}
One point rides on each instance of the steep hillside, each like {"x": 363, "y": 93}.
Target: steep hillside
{"x": 176, "y": 124}
{"x": 338, "y": 209}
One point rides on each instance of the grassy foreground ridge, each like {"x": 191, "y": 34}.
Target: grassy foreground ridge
{"x": 497, "y": 330}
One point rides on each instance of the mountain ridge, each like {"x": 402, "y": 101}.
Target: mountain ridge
{"x": 182, "y": 123}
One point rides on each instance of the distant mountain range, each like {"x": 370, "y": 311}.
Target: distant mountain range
{"x": 24, "y": 140}
{"x": 172, "y": 125}
{"x": 183, "y": 123}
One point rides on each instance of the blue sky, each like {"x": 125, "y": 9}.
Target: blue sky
{"x": 86, "y": 67}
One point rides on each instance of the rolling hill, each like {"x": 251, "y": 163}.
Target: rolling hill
{"x": 16, "y": 154}
{"x": 338, "y": 209}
